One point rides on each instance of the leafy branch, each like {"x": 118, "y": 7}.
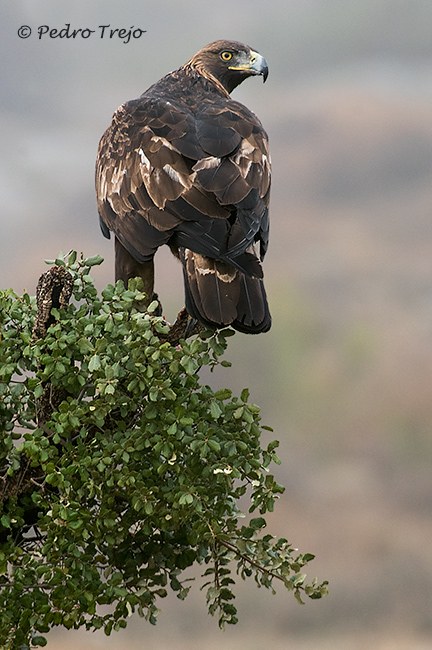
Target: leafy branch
{"x": 118, "y": 468}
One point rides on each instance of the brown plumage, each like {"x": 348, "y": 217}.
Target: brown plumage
{"x": 187, "y": 166}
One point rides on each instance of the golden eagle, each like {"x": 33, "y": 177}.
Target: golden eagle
{"x": 185, "y": 165}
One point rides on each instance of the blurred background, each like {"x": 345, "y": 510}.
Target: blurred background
{"x": 344, "y": 377}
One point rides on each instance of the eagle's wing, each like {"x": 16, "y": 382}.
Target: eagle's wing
{"x": 196, "y": 180}
{"x": 160, "y": 165}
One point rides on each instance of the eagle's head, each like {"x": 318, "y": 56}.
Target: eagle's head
{"x": 229, "y": 62}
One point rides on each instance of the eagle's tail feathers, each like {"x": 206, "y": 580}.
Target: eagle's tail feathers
{"x": 253, "y": 315}
{"x": 218, "y": 295}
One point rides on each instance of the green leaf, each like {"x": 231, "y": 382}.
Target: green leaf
{"x": 93, "y": 261}
{"x": 298, "y": 597}
{"x": 214, "y": 445}
{"x": 109, "y": 292}
{"x": 94, "y": 363}
{"x": 153, "y": 306}
{"x": 257, "y": 523}
{"x": 223, "y": 393}
{"x": 38, "y": 391}
{"x": 215, "y": 409}
{"x": 5, "y": 521}
{"x": 85, "y": 346}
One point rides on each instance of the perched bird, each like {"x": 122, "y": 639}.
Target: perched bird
{"x": 185, "y": 165}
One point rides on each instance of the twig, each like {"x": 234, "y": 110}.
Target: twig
{"x": 244, "y": 557}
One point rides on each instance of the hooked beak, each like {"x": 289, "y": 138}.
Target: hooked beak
{"x": 255, "y": 65}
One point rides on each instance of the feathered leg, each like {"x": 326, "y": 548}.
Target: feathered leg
{"x": 126, "y": 267}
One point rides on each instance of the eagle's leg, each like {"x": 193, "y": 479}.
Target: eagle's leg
{"x": 126, "y": 267}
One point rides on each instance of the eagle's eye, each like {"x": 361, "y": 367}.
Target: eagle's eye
{"x": 226, "y": 56}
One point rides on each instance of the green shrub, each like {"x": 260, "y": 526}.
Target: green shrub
{"x": 121, "y": 470}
